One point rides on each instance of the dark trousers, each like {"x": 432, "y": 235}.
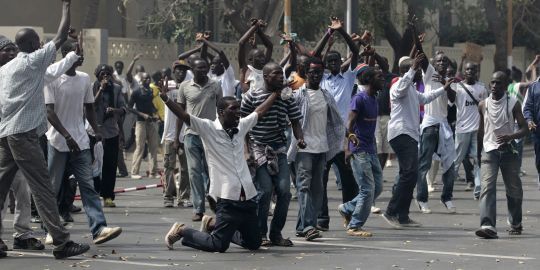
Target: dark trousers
{"x": 66, "y": 196}
{"x": 406, "y": 149}
{"x": 235, "y": 222}
{"x": 105, "y": 185}
{"x": 349, "y": 188}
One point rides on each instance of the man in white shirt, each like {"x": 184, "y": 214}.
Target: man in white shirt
{"x": 174, "y": 146}
{"x": 231, "y": 186}
{"x": 469, "y": 93}
{"x": 436, "y": 136}
{"x": 403, "y": 135}
{"x": 69, "y": 98}
{"x": 221, "y": 70}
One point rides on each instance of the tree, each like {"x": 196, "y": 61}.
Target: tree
{"x": 90, "y": 14}
{"x": 239, "y": 12}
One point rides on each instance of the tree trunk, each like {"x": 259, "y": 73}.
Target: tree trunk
{"x": 90, "y": 14}
{"x": 497, "y": 26}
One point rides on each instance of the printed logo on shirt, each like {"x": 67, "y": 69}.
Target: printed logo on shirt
{"x": 470, "y": 103}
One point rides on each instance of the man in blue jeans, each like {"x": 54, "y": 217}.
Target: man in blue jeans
{"x": 66, "y": 99}
{"x": 269, "y": 146}
{"x": 364, "y": 160}
{"x": 496, "y": 137}
{"x": 531, "y": 111}
{"x": 199, "y": 97}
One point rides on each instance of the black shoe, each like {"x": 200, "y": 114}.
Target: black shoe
{"x": 70, "y": 249}
{"x": 122, "y": 175}
{"x": 3, "y": 246}
{"x": 29, "y": 244}
{"x": 67, "y": 217}
{"x": 486, "y": 234}
{"x": 392, "y": 220}
{"x": 74, "y": 209}
{"x": 3, "y": 254}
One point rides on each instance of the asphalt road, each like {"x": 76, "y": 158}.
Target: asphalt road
{"x": 446, "y": 241}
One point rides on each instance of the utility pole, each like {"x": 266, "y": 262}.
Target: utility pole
{"x": 351, "y": 21}
{"x": 509, "y": 33}
{"x": 287, "y": 25}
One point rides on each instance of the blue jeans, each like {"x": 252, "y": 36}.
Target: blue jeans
{"x": 508, "y": 162}
{"x": 466, "y": 144}
{"x": 428, "y": 146}
{"x": 281, "y": 184}
{"x": 198, "y": 171}
{"x": 80, "y": 164}
{"x": 310, "y": 169}
{"x": 368, "y": 174}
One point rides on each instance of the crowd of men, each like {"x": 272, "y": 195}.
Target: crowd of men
{"x": 240, "y": 144}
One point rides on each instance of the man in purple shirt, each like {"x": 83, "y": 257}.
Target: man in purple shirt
{"x": 362, "y": 152}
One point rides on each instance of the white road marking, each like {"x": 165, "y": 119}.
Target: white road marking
{"x": 17, "y": 253}
{"x": 415, "y": 250}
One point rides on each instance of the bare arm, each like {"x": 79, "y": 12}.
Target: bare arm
{"x": 222, "y": 55}
{"x": 352, "y": 47}
{"x": 292, "y": 65}
{"x": 242, "y": 46}
{"x": 480, "y": 135}
{"x": 129, "y": 76}
{"x": 267, "y": 44}
{"x": 298, "y": 133}
{"x": 317, "y": 51}
{"x": 63, "y": 29}
{"x": 187, "y": 54}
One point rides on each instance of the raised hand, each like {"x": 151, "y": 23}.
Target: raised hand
{"x": 253, "y": 21}
{"x": 536, "y": 59}
{"x": 207, "y": 35}
{"x": 418, "y": 61}
{"x": 79, "y": 49}
{"x": 336, "y": 23}
{"x": 355, "y": 37}
{"x": 286, "y": 37}
{"x": 137, "y": 57}
{"x": 422, "y": 37}
{"x": 199, "y": 37}
{"x": 367, "y": 37}
{"x": 448, "y": 83}
{"x": 262, "y": 24}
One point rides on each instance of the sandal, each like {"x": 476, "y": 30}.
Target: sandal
{"x": 266, "y": 243}
{"x": 282, "y": 242}
{"x": 515, "y": 231}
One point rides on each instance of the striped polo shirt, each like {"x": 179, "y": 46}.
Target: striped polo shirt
{"x": 270, "y": 128}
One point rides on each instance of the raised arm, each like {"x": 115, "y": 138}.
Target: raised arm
{"x": 187, "y": 54}
{"x": 293, "y": 56}
{"x": 266, "y": 41}
{"x": 317, "y": 51}
{"x": 173, "y": 106}
{"x": 337, "y": 25}
{"x": 63, "y": 29}
{"x": 242, "y": 45}
{"x": 220, "y": 52}
{"x": 129, "y": 75}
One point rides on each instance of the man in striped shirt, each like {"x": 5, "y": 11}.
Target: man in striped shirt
{"x": 268, "y": 147}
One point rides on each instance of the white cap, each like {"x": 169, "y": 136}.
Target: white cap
{"x": 402, "y": 59}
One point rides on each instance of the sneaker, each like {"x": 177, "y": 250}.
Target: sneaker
{"x": 107, "y": 234}
{"x": 343, "y": 213}
{"x": 174, "y": 234}
{"x": 359, "y": 232}
{"x": 108, "y": 202}
{"x": 410, "y": 223}
{"x": 207, "y": 224}
{"x": 449, "y": 206}
{"x": 486, "y": 233}
{"x": 469, "y": 186}
{"x": 3, "y": 246}
{"x": 424, "y": 207}
{"x": 29, "y": 244}
{"x": 187, "y": 203}
{"x": 388, "y": 163}
{"x": 48, "y": 239}
{"x": 375, "y": 210}
{"x": 197, "y": 217}
{"x": 430, "y": 188}
{"x": 312, "y": 235}
{"x": 392, "y": 220}
{"x": 155, "y": 175}
{"x": 3, "y": 254}
{"x": 70, "y": 249}
{"x": 168, "y": 203}
{"x": 136, "y": 176}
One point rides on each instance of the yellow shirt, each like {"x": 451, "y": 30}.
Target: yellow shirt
{"x": 158, "y": 103}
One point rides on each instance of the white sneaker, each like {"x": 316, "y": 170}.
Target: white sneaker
{"x": 449, "y": 206}
{"x": 423, "y": 206}
{"x": 107, "y": 234}
{"x": 430, "y": 188}
{"x": 388, "y": 163}
{"x": 48, "y": 239}
{"x": 375, "y": 210}
{"x": 136, "y": 176}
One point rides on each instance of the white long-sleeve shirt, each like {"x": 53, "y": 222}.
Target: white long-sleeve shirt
{"x": 405, "y": 103}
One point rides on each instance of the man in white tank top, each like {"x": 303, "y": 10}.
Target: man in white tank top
{"x": 496, "y": 136}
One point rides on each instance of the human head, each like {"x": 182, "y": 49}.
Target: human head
{"x": 27, "y": 40}
{"x": 441, "y": 63}
{"x": 371, "y": 77}
{"x": 516, "y": 74}
{"x": 228, "y": 110}
{"x": 8, "y": 50}
{"x": 273, "y": 76}
{"x": 302, "y": 66}
{"x": 119, "y": 67}
{"x": 156, "y": 77}
{"x": 499, "y": 84}
{"x": 166, "y": 72}
{"x": 200, "y": 69}
{"x": 68, "y": 47}
{"x": 404, "y": 65}
{"x": 451, "y": 69}
{"x": 145, "y": 79}
{"x": 139, "y": 69}
{"x": 257, "y": 58}
{"x": 333, "y": 62}
{"x": 216, "y": 66}
{"x": 314, "y": 71}
{"x": 180, "y": 69}
{"x": 471, "y": 72}
{"x": 103, "y": 71}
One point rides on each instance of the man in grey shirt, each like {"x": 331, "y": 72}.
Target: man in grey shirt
{"x": 23, "y": 121}
{"x": 199, "y": 97}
